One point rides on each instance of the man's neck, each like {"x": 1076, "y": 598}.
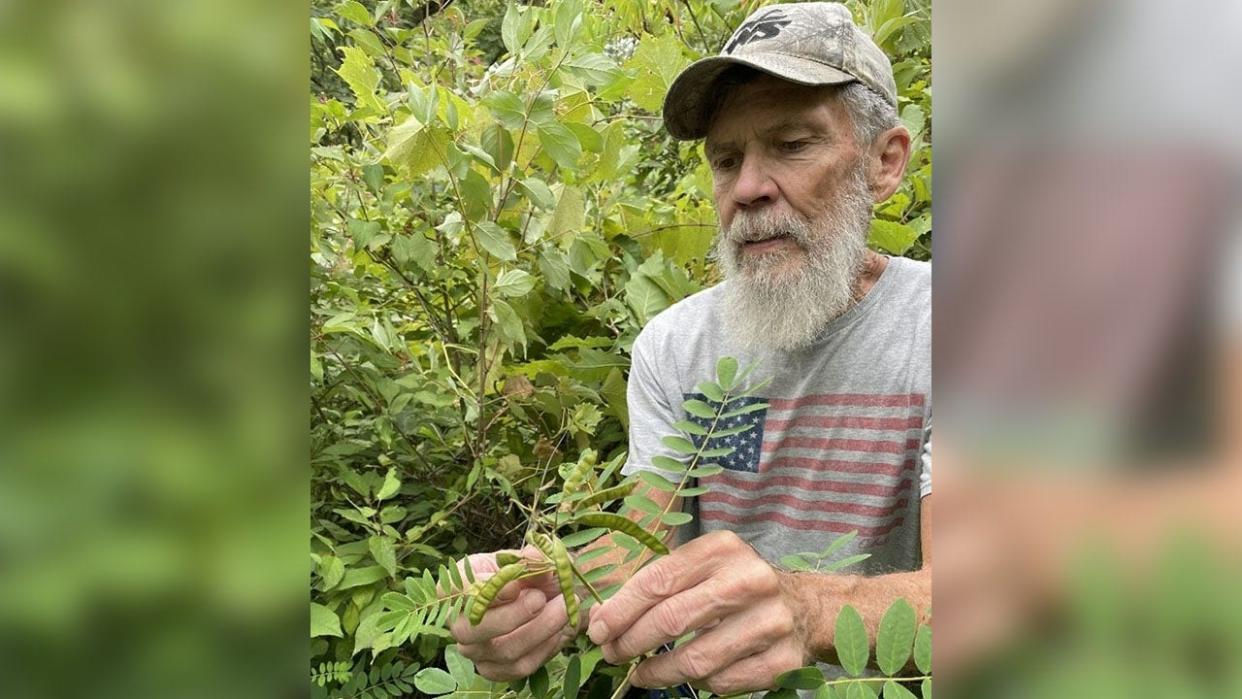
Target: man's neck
{"x": 874, "y": 265}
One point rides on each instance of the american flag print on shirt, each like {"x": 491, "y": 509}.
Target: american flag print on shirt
{"x": 830, "y": 463}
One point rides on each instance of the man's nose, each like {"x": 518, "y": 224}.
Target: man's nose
{"x": 754, "y": 187}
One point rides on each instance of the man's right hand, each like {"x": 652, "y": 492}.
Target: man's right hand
{"x": 524, "y": 627}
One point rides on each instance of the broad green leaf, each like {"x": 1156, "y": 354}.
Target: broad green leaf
{"x": 567, "y": 23}
{"x": 539, "y": 192}
{"x": 680, "y": 445}
{"x": 892, "y": 690}
{"x": 415, "y": 147}
{"x": 355, "y": 577}
{"x": 539, "y": 683}
{"x": 331, "y": 570}
{"x": 414, "y": 248}
{"x": 359, "y": 72}
{"x": 923, "y": 649}
{"x": 514, "y": 282}
{"x": 753, "y": 407}
{"x": 561, "y": 144}
{"x": 667, "y": 463}
{"x": 657, "y": 481}
{"x": 384, "y": 552}
{"x": 555, "y": 268}
{"x": 510, "y": 322}
{"x": 497, "y": 142}
{"x": 645, "y": 298}
{"x": 434, "y": 681}
{"x": 892, "y": 237}
{"x": 698, "y": 408}
{"x": 850, "y": 640}
{"x": 657, "y": 61}
{"x": 460, "y": 667}
{"x": 643, "y": 504}
{"x": 860, "y": 690}
{"x": 676, "y": 519}
{"x": 569, "y": 217}
{"x": 514, "y": 28}
{"x": 510, "y": 111}
{"x": 355, "y": 12}
{"x": 324, "y": 622}
{"x": 726, "y": 372}
{"x": 705, "y": 471}
{"x": 390, "y": 486}
{"x": 495, "y": 240}
{"x": 583, "y": 537}
{"x": 825, "y": 692}
{"x": 808, "y": 677}
{"x": 927, "y": 689}
{"x": 712, "y": 390}
{"x": 693, "y": 428}
{"x": 573, "y": 677}
{"x": 895, "y": 637}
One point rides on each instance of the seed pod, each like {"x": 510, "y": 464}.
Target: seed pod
{"x": 555, "y": 551}
{"x": 491, "y": 587}
{"x": 623, "y": 525}
{"x": 613, "y": 493}
{"x": 577, "y": 476}
{"x": 506, "y": 558}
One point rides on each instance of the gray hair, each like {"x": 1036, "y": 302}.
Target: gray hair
{"x": 870, "y": 113}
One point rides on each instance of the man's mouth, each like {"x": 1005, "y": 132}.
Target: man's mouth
{"x": 768, "y": 243}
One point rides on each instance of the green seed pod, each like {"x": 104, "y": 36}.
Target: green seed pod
{"x": 623, "y": 525}
{"x": 555, "y": 551}
{"x": 490, "y": 588}
{"x": 613, "y": 493}
{"x": 576, "y": 477}
{"x": 506, "y": 558}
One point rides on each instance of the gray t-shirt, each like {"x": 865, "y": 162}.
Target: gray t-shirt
{"x": 844, "y": 444}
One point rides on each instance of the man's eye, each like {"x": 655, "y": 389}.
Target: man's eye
{"x": 793, "y": 146}
{"x": 724, "y": 163}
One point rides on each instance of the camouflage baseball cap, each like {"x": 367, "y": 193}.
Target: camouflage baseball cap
{"x": 814, "y": 43}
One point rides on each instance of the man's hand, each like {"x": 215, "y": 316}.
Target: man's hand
{"x": 716, "y": 584}
{"x": 525, "y": 626}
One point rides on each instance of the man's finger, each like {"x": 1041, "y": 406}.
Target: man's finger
{"x": 504, "y": 672}
{"x": 711, "y": 652}
{"x": 751, "y": 673}
{"x": 549, "y": 622}
{"x": 683, "y": 568}
{"x": 671, "y": 619}
{"x": 501, "y": 618}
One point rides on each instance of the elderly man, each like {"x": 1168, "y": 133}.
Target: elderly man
{"x": 799, "y": 118}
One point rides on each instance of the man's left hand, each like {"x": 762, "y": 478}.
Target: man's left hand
{"x": 749, "y": 630}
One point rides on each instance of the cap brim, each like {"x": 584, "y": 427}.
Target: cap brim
{"x": 691, "y": 97}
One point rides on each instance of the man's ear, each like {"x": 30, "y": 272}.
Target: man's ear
{"x": 888, "y": 156}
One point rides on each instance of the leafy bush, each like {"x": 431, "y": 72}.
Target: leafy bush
{"x": 496, "y": 213}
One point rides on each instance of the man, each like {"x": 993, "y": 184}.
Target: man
{"x": 799, "y": 117}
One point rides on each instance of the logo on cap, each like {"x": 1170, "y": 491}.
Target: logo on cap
{"x": 765, "y": 26}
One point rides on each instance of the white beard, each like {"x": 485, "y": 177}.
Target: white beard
{"x": 775, "y": 301}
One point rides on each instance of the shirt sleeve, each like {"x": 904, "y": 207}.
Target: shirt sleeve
{"x": 651, "y": 412}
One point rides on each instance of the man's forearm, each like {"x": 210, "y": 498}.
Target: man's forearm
{"x": 818, "y": 598}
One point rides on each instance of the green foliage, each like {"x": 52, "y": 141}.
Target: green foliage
{"x": 496, "y": 212}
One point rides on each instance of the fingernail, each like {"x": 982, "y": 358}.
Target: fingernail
{"x": 598, "y": 632}
{"x": 534, "y": 601}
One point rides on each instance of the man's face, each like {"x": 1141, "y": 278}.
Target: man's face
{"x": 778, "y": 150}
{"x": 792, "y": 196}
